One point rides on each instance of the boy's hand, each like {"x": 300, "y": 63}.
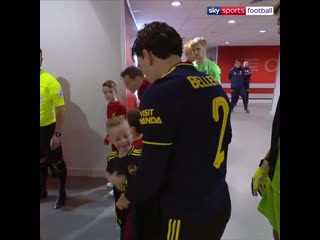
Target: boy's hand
{"x": 122, "y": 202}
{"x": 55, "y": 142}
{"x": 116, "y": 179}
{"x": 260, "y": 178}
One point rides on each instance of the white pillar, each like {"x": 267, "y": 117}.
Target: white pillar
{"x": 276, "y": 91}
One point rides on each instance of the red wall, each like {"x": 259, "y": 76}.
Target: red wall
{"x": 262, "y": 61}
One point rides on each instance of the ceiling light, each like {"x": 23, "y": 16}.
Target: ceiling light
{"x": 262, "y": 31}
{"x": 176, "y": 4}
{"x": 227, "y": 42}
{"x": 231, "y": 21}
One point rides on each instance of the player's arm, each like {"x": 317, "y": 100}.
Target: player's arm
{"x": 151, "y": 173}
{"x": 216, "y": 72}
{"x": 249, "y": 72}
{"x": 157, "y": 147}
{"x": 58, "y": 103}
{"x": 59, "y": 118}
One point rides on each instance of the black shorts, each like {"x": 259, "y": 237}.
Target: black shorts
{"x": 210, "y": 228}
{"x": 53, "y": 156}
{"x": 148, "y": 224}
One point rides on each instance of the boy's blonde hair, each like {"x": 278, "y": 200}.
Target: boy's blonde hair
{"x": 110, "y": 84}
{"x": 115, "y": 121}
{"x": 187, "y": 45}
{"x": 199, "y": 40}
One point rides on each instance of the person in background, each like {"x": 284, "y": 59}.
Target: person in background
{"x": 202, "y": 63}
{"x": 190, "y": 58}
{"x": 52, "y": 111}
{"x": 134, "y": 80}
{"x": 247, "y": 77}
{"x": 236, "y": 76}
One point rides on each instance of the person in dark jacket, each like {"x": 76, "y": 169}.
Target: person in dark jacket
{"x": 247, "y": 77}
{"x": 236, "y": 76}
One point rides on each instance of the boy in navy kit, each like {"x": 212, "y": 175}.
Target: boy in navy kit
{"x": 121, "y": 170}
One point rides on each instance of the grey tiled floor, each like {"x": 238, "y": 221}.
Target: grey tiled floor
{"x": 89, "y": 216}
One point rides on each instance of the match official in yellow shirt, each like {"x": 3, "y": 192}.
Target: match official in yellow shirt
{"x": 51, "y": 120}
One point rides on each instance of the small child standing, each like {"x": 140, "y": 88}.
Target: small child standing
{"x": 114, "y": 108}
{"x": 121, "y": 170}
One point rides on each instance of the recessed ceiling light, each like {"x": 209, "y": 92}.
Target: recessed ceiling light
{"x": 231, "y": 21}
{"x": 262, "y": 31}
{"x": 227, "y": 42}
{"x": 176, "y": 4}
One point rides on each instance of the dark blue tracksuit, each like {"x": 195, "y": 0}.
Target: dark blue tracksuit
{"x": 236, "y": 76}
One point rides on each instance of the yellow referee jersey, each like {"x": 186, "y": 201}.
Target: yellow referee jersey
{"x": 51, "y": 96}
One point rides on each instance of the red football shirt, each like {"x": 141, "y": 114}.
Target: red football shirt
{"x": 137, "y": 143}
{"x": 143, "y": 87}
{"x": 115, "y": 109}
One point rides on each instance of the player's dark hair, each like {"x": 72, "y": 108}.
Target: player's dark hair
{"x": 132, "y": 72}
{"x": 133, "y": 117}
{"x": 158, "y": 38}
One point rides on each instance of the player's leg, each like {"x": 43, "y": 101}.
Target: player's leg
{"x": 44, "y": 150}
{"x": 43, "y": 179}
{"x": 190, "y": 230}
{"x": 148, "y": 221}
{"x": 57, "y": 161}
{"x": 234, "y": 97}
{"x": 122, "y": 232}
{"x": 131, "y": 228}
{"x": 246, "y": 86}
{"x": 211, "y": 227}
{"x": 243, "y": 94}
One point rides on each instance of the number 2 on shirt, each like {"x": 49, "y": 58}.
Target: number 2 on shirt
{"x": 216, "y": 104}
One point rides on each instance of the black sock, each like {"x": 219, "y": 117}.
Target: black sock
{"x": 61, "y": 171}
{"x": 43, "y": 177}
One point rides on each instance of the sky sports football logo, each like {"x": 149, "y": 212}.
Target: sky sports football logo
{"x": 241, "y": 10}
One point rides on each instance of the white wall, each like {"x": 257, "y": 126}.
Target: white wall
{"x": 83, "y": 45}
{"x": 276, "y": 91}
